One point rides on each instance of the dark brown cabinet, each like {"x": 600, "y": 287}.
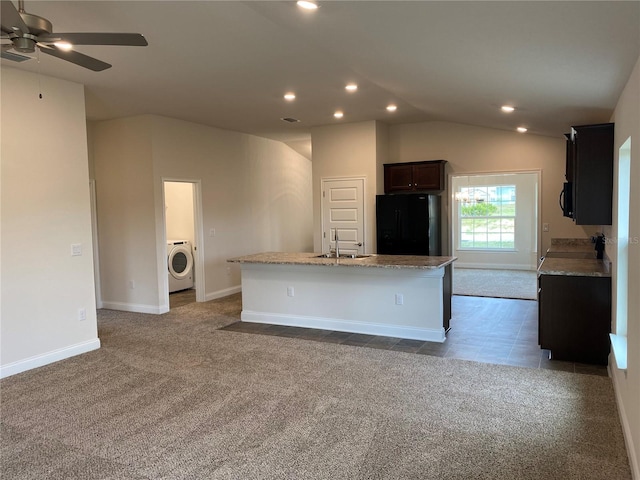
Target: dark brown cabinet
{"x": 414, "y": 176}
{"x": 589, "y": 171}
{"x": 574, "y": 318}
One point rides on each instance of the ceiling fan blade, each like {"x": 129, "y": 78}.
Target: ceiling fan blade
{"x": 124, "y": 39}
{"x": 11, "y": 19}
{"x": 75, "y": 57}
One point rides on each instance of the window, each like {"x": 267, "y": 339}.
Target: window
{"x": 487, "y": 217}
{"x": 619, "y": 338}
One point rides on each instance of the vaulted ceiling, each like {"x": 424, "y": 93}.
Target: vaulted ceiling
{"x": 228, "y": 64}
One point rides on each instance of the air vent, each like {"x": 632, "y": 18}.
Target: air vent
{"x": 290, "y": 120}
{"x": 16, "y": 57}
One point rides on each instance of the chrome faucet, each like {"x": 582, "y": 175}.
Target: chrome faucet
{"x": 337, "y": 247}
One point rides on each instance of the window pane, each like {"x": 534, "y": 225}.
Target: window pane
{"x": 507, "y": 224}
{"x": 487, "y": 216}
{"x": 508, "y": 240}
{"x": 480, "y": 224}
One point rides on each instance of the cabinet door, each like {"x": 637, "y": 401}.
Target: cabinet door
{"x": 398, "y": 178}
{"x": 570, "y": 158}
{"x": 575, "y": 317}
{"x": 428, "y": 176}
{"x": 543, "y": 329}
{"x": 593, "y": 175}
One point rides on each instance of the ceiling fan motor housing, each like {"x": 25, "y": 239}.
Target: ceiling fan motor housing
{"x": 37, "y": 25}
{"x": 24, "y": 44}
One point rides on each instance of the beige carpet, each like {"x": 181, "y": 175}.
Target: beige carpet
{"x": 520, "y": 284}
{"x": 173, "y": 397}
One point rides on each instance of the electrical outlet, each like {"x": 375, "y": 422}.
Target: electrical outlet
{"x": 76, "y": 249}
{"x": 82, "y": 314}
{"x": 545, "y": 227}
{"x": 212, "y": 232}
{"x": 132, "y": 284}
{"x": 290, "y": 292}
{"x": 399, "y": 299}
{"x": 228, "y": 270}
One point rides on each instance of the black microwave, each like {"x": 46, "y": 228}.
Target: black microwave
{"x": 566, "y": 199}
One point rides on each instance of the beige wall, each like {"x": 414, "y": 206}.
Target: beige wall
{"x": 254, "y": 192}
{"x": 126, "y": 214}
{"x": 45, "y": 209}
{"x": 627, "y": 385}
{"x": 361, "y": 149}
{"x": 470, "y": 149}
{"x": 346, "y": 150}
{"x": 179, "y": 211}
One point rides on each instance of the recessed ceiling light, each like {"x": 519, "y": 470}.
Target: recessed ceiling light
{"x": 338, "y": 114}
{"x": 521, "y": 129}
{"x": 391, "y": 108}
{"x": 289, "y": 96}
{"x": 307, "y": 5}
{"x": 507, "y": 108}
{"x": 66, "y": 46}
{"x": 351, "y": 87}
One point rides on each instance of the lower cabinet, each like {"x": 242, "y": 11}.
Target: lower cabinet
{"x": 574, "y": 318}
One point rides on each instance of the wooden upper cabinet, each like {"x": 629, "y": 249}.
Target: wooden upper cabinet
{"x": 398, "y": 177}
{"x": 590, "y": 151}
{"x": 414, "y": 176}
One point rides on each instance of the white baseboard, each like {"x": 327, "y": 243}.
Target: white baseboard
{"x": 413, "y": 333}
{"x": 136, "y": 307}
{"x": 47, "y": 358}
{"x": 222, "y": 293}
{"x": 624, "y": 420}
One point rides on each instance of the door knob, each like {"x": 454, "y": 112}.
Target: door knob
{"x": 359, "y": 244}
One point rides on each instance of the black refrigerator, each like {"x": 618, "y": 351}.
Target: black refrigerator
{"x": 408, "y": 224}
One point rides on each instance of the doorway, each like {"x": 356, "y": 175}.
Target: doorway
{"x": 184, "y": 272}
{"x": 343, "y": 214}
{"x": 494, "y": 234}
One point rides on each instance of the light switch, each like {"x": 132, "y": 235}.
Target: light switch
{"x": 545, "y": 227}
{"x": 76, "y": 249}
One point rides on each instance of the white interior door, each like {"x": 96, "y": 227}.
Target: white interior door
{"x": 343, "y": 213}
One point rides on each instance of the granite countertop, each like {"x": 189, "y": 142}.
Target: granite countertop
{"x": 580, "y": 267}
{"x": 420, "y": 262}
{"x": 572, "y": 245}
{"x": 557, "y": 263}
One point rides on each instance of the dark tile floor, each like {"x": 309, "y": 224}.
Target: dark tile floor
{"x": 183, "y": 297}
{"x": 490, "y": 330}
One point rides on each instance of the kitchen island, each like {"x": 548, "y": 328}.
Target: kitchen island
{"x": 400, "y": 296}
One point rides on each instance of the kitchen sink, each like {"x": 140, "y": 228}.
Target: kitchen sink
{"x": 342, "y": 255}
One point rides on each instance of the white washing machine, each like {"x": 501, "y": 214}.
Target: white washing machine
{"x": 180, "y": 262}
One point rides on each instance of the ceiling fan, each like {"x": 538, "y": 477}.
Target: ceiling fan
{"x": 26, "y": 31}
